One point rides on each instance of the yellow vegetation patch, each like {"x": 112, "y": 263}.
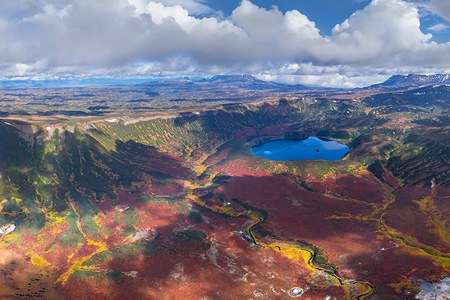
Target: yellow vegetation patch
{"x": 295, "y": 254}
{"x": 407, "y": 284}
{"x": 357, "y": 170}
{"x": 8, "y": 239}
{"x": 331, "y": 175}
{"x": 428, "y": 206}
{"x": 438, "y": 260}
{"x": 78, "y": 264}
{"x": 200, "y": 169}
{"x": 52, "y": 219}
{"x": 39, "y": 261}
{"x": 413, "y": 246}
{"x": 97, "y": 220}
{"x": 70, "y": 256}
{"x": 20, "y": 204}
{"x": 2, "y": 204}
{"x": 88, "y": 268}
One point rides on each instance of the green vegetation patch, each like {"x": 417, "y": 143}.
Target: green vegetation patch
{"x": 319, "y": 256}
{"x": 114, "y": 275}
{"x": 195, "y": 216}
{"x": 260, "y": 230}
{"x": 126, "y": 252}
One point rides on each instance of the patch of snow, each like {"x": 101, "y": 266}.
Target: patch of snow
{"x": 121, "y": 208}
{"x": 140, "y": 234}
{"x": 7, "y": 228}
{"x": 145, "y": 119}
{"x": 132, "y": 274}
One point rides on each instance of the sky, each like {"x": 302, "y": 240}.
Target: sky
{"x": 345, "y": 43}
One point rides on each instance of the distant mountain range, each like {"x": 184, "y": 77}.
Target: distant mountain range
{"x": 257, "y": 84}
{"x": 412, "y": 80}
{"x": 229, "y": 82}
{"x": 245, "y": 82}
{"x": 232, "y": 79}
{"x": 396, "y": 82}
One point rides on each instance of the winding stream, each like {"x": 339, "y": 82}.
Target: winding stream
{"x": 292, "y": 251}
{"x": 281, "y": 247}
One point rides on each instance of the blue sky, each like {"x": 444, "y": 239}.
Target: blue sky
{"x": 441, "y": 35}
{"x": 325, "y": 13}
{"x": 340, "y": 43}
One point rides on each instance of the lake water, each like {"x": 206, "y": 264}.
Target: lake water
{"x": 310, "y": 149}
{"x": 427, "y": 287}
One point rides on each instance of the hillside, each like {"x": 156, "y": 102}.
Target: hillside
{"x": 127, "y": 202}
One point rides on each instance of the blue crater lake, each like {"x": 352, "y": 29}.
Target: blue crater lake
{"x": 310, "y": 149}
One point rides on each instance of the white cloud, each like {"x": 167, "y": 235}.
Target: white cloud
{"x": 194, "y": 7}
{"x": 330, "y": 80}
{"x": 438, "y": 27}
{"x": 439, "y": 7}
{"x": 383, "y": 31}
{"x": 167, "y": 37}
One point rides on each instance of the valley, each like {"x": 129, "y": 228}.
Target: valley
{"x": 172, "y": 204}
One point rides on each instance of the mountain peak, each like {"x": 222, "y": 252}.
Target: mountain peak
{"x": 412, "y": 80}
{"x": 232, "y": 78}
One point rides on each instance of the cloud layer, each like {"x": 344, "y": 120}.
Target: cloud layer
{"x": 171, "y": 37}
